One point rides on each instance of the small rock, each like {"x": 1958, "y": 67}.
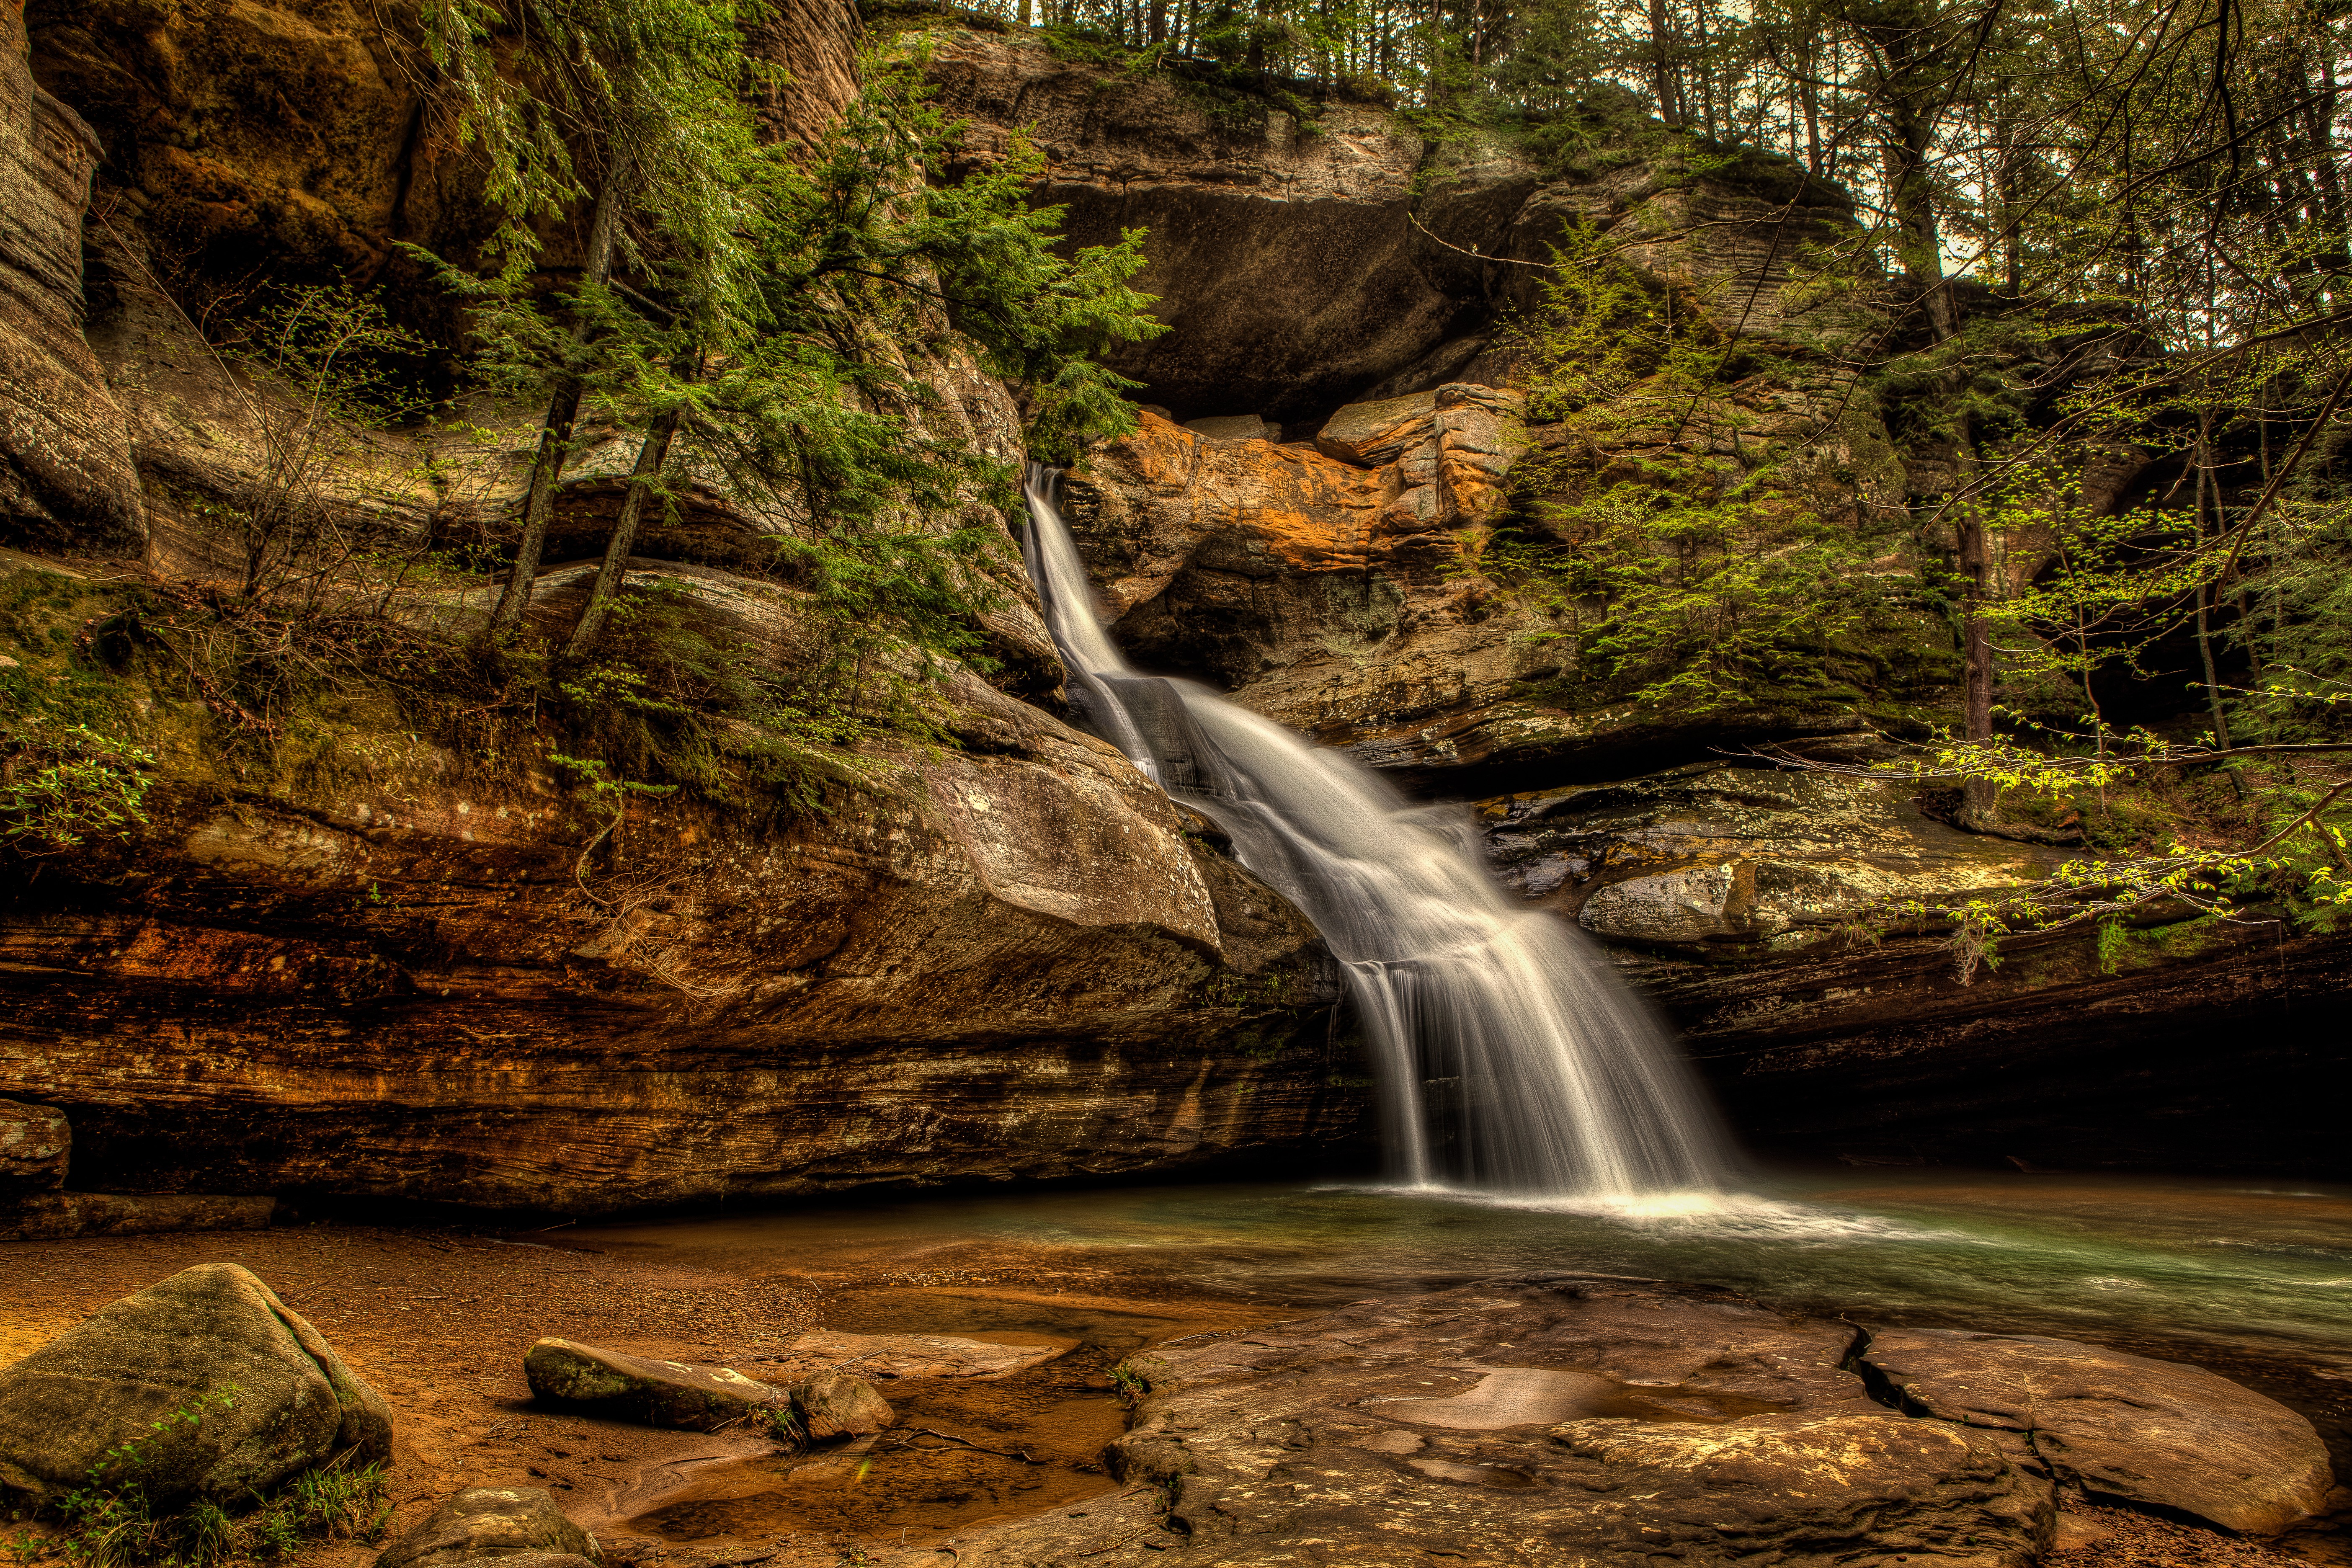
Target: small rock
{"x": 1685, "y": 906}
{"x": 639, "y": 1388}
{"x": 516, "y": 1527}
{"x": 838, "y": 1404}
{"x": 247, "y": 1392}
{"x": 2074, "y": 1533}
{"x": 2120, "y": 1425}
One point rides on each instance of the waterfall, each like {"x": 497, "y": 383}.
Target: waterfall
{"x": 1511, "y": 1058}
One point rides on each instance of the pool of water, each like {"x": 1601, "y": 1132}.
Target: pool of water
{"x": 2239, "y": 1263}
{"x": 2251, "y": 1279}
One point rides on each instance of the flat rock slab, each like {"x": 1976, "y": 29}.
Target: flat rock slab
{"x": 640, "y": 1388}
{"x": 53, "y": 1216}
{"x": 903, "y": 1356}
{"x": 1553, "y": 1420}
{"x": 218, "y": 1387}
{"x": 516, "y": 1527}
{"x": 1231, "y": 427}
{"x": 2120, "y": 1425}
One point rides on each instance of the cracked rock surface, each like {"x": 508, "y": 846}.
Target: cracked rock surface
{"x": 1563, "y": 1419}
{"x": 2119, "y": 1426}
{"x": 1568, "y": 1419}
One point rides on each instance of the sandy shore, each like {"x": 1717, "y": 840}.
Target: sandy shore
{"x": 438, "y": 1319}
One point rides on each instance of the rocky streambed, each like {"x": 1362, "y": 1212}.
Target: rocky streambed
{"x": 1079, "y": 1416}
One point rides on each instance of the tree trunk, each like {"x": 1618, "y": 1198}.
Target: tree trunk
{"x": 651, "y": 455}
{"x": 1979, "y": 796}
{"x": 562, "y": 412}
{"x": 1662, "y": 73}
{"x": 2206, "y": 486}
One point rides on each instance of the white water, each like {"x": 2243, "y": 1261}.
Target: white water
{"x": 1511, "y": 1060}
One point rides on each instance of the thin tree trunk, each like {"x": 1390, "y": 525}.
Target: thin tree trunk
{"x": 562, "y": 411}
{"x": 2206, "y": 486}
{"x": 651, "y": 455}
{"x": 1979, "y": 796}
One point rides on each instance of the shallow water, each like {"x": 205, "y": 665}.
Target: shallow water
{"x": 2245, "y": 1264}
{"x": 2252, "y": 1278}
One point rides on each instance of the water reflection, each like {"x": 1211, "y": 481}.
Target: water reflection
{"x": 2237, "y": 1263}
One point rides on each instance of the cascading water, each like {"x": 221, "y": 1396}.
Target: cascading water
{"x": 1511, "y": 1060}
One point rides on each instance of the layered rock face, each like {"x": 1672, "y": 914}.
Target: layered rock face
{"x": 66, "y": 468}
{"x": 1752, "y": 906}
{"x": 1301, "y": 267}
{"x": 397, "y": 976}
{"x": 1012, "y": 958}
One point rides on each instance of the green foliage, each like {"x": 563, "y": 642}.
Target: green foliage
{"x": 322, "y": 371}
{"x": 2296, "y": 625}
{"x": 1704, "y": 582}
{"x": 857, "y": 265}
{"x": 111, "y": 1523}
{"x": 1130, "y": 1381}
{"x": 653, "y": 85}
{"x": 1220, "y": 81}
{"x": 60, "y": 785}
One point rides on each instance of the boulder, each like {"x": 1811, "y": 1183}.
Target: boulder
{"x": 516, "y": 1527}
{"x": 1233, "y": 427}
{"x": 639, "y": 1388}
{"x": 905, "y": 1355}
{"x": 34, "y": 1143}
{"x": 1370, "y": 433}
{"x": 219, "y": 1389}
{"x": 834, "y": 1405}
{"x": 2123, "y": 1426}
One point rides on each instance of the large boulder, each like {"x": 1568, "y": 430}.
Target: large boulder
{"x": 516, "y": 1527}
{"x": 640, "y": 1388}
{"x": 2120, "y": 1425}
{"x": 218, "y": 1390}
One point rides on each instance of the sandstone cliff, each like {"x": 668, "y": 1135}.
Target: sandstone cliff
{"x": 380, "y": 965}
{"x": 1355, "y": 286}
{"x": 347, "y": 957}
